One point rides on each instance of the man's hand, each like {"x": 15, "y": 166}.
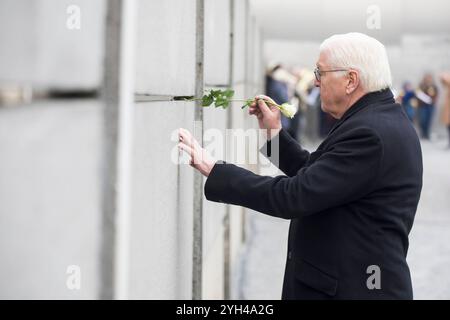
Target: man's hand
{"x": 200, "y": 159}
{"x": 269, "y": 117}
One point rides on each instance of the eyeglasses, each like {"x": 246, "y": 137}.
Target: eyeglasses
{"x": 318, "y": 73}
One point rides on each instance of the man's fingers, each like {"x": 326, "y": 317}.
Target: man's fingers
{"x": 253, "y": 110}
{"x": 189, "y": 150}
{"x": 186, "y": 137}
{"x": 257, "y": 113}
{"x": 263, "y": 107}
{"x": 181, "y": 135}
{"x": 193, "y": 150}
{"x": 265, "y": 98}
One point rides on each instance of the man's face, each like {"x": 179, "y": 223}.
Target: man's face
{"x": 332, "y": 87}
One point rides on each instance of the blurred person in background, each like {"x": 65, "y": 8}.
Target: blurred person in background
{"x": 277, "y": 87}
{"x": 408, "y": 100}
{"x": 311, "y": 97}
{"x": 313, "y": 104}
{"x": 445, "y": 80}
{"x": 303, "y": 77}
{"x": 426, "y": 94}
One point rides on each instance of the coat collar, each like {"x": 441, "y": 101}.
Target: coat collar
{"x": 384, "y": 96}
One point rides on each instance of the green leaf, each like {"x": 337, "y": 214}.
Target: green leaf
{"x": 220, "y": 98}
{"x": 215, "y": 93}
{"x": 228, "y": 93}
{"x": 226, "y": 104}
{"x": 220, "y": 102}
{"x": 207, "y": 100}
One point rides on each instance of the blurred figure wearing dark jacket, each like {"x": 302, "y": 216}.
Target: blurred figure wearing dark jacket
{"x": 278, "y": 90}
{"x": 427, "y": 95}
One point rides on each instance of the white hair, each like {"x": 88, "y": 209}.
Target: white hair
{"x": 363, "y": 53}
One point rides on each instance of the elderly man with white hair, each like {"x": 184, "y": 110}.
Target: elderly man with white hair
{"x": 351, "y": 203}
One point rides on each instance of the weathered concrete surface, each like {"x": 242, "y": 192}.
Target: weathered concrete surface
{"x": 50, "y": 199}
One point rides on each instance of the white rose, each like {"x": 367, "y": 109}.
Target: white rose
{"x": 288, "y": 110}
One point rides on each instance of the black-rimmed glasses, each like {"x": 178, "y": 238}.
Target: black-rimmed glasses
{"x": 318, "y": 73}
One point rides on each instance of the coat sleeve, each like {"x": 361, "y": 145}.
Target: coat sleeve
{"x": 285, "y": 153}
{"x": 344, "y": 173}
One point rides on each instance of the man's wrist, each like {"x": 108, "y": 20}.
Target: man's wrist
{"x": 211, "y": 166}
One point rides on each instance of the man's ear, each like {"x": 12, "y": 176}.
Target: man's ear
{"x": 352, "y": 82}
